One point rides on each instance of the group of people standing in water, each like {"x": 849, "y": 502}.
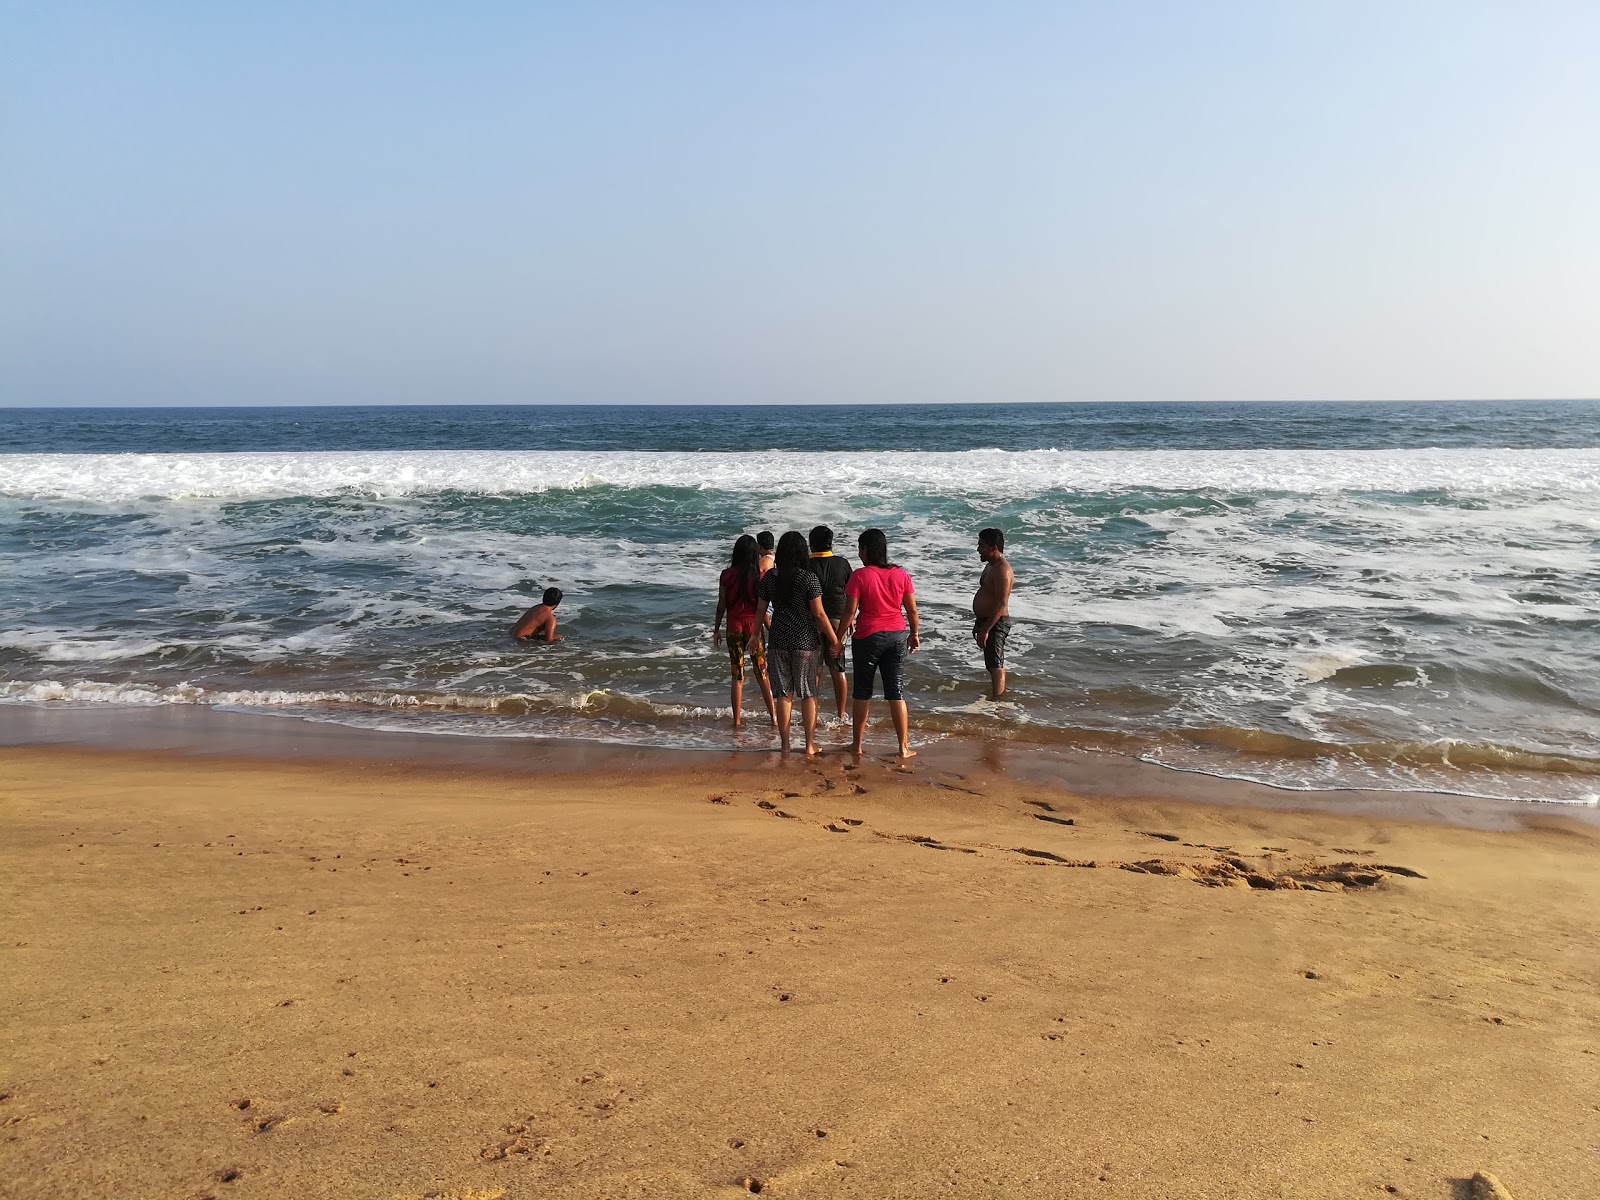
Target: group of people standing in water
{"x": 789, "y": 605}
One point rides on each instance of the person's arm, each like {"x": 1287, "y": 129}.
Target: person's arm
{"x": 825, "y": 626}
{"x": 550, "y": 628}
{"x": 914, "y": 621}
{"x": 722, "y": 607}
{"x": 851, "y": 606}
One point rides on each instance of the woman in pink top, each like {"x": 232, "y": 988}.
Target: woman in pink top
{"x": 874, "y": 599}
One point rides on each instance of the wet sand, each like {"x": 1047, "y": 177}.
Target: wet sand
{"x": 324, "y": 975}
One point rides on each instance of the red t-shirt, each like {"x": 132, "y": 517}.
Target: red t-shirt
{"x": 881, "y": 593}
{"x": 741, "y": 602}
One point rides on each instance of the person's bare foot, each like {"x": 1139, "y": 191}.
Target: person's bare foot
{"x": 855, "y": 750}
{"x": 812, "y": 752}
{"x": 906, "y": 752}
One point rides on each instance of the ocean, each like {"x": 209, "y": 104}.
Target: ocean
{"x": 1374, "y": 596}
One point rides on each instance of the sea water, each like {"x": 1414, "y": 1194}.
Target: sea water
{"x": 1392, "y": 596}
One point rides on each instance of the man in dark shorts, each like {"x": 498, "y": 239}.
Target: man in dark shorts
{"x": 833, "y": 572}
{"x": 991, "y": 607}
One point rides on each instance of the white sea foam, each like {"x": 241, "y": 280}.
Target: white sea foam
{"x": 112, "y": 478}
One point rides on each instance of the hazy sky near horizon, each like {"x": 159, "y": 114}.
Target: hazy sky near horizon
{"x": 748, "y": 202}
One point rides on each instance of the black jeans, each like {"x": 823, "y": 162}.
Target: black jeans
{"x": 885, "y": 652}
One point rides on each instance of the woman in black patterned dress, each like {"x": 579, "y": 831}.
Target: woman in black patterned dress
{"x": 798, "y": 629}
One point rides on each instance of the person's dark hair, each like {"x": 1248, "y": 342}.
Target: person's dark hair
{"x": 821, "y": 539}
{"x": 552, "y": 596}
{"x": 791, "y": 554}
{"x": 747, "y": 561}
{"x": 764, "y": 540}
{"x": 992, "y": 537}
{"x": 874, "y": 548}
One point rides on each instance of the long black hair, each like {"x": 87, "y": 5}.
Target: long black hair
{"x": 747, "y": 561}
{"x": 792, "y": 554}
{"x": 874, "y": 549}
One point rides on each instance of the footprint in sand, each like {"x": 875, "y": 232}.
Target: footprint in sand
{"x": 1053, "y": 820}
{"x": 930, "y": 843}
{"x": 772, "y": 808}
{"x": 1047, "y": 856}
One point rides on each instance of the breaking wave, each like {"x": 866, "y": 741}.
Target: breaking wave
{"x": 111, "y": 478}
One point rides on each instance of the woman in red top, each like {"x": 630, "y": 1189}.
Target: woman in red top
{"x": 874, "y": 598}
{"x": 736, "y": 599}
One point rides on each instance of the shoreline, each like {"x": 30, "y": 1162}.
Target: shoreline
{"x": 185, "y": 731}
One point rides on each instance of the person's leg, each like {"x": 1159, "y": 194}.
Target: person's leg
{"x": 783, "y": 688}
{"x": 805, "y": 692}
{"x": 858, "y": 725}
{"x": 902, "y": 727}
{"x": 766, "y": 694}
{"x": 840, "y": 688}
{"x": 758, "y": 656}
{"x": 736, "y": 687}
{"x": 892, "y": 663}
{"x": 784, "y": 704}
{"x": 994, "y": 656}
{"x": 864, "y": 658}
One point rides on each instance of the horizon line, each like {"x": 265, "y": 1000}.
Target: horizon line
{"x": 663, "y": 404}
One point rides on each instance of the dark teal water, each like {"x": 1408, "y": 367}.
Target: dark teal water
{"x": 1528, "y": 424}
{"x": 1310, "y": 595}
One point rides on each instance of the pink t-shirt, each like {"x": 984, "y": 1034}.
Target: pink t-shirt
{"x": 881, "y": 593}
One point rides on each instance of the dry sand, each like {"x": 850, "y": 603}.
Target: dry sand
{"x": 253, "y": 979}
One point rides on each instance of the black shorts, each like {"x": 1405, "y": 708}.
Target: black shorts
{"x": 994, "y": 646}
{"x": 880, "y": 653}
{"x": 830, "y": 664}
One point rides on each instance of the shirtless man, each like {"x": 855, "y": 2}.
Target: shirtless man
{"x": 992, "y": 618}
{"x": 540, "y": 620}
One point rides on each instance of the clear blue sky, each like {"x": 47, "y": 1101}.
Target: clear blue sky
{"x": 281, "y": 202}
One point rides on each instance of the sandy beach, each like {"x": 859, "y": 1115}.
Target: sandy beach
{"x": 253, "y": 978}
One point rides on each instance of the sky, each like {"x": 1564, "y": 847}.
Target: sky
{"x": 750, "y": 202}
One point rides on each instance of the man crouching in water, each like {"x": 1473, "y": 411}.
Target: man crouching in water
{"x": 990, "y": 607}
{"x": 540, "y": 620}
